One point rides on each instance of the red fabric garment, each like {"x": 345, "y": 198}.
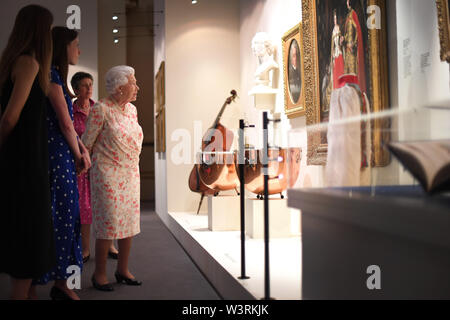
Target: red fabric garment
{"x": 338, "y": 71}
{"x": 347, "y": 79}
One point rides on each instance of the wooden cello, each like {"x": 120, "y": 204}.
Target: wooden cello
{"x": 209, "y": 178}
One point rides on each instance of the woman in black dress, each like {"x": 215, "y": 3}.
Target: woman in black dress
{"x": 26, "y": 237}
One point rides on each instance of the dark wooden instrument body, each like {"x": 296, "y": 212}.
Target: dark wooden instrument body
{"x": 215, "y": 170}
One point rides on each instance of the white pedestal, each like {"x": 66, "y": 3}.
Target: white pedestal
{"x": 279, "y": 218}
{"x": 224, "y": 213}
{"x": 264, "y": 99}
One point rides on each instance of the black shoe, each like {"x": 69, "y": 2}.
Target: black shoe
{"x": 103, "y": 287}
{"x": 86, "y": 259}
{"x": 113, "y": 255}
{"x": 59, "y": 295}
{"x": 128, "y": 281}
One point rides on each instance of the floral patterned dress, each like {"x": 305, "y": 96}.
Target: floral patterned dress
{"x": 114, "y": 138}
{"x": 84, "y": 188}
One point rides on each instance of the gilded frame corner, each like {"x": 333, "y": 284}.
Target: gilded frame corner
{"x": 444, "y": 28}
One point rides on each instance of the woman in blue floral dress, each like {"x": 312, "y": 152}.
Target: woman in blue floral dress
{"x": 67, "y": 156}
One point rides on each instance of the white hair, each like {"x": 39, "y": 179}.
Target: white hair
{"x": 116, "y": 77}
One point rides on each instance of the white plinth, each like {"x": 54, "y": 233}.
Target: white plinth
{"x": 264, "y": 99}
{"x": 224, "y": 213}
{"x": 279, "y": 218}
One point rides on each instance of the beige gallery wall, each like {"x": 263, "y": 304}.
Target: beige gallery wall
{"x": 203, "y": 66}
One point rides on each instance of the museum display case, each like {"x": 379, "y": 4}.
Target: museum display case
{"x": 345, "y": 85}
{"x": 368, "y": 230}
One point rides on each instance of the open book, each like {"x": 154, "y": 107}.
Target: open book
{"x": 428, "y": 162}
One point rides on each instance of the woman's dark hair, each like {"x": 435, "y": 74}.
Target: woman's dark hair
{"x": 62, "y": 37}
{"x": 31, "y": 34}
{"x": 78, "y": 77}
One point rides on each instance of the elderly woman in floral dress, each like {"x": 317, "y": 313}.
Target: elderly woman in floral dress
{"x": 114, "y": 138}
{"x": 82, "y": 84}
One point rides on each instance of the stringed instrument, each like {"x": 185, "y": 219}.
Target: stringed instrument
{"x": 215, "y": 170}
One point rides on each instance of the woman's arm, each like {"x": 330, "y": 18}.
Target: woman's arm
{"x": 58, "y": 102}
{"x": 23, "y": 74}
{"x": 79, "y": 125}
{"x": 85, "y": 154}
{"x": 94, "y": 126}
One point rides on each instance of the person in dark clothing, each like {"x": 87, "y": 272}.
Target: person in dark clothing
{"x": 26, "y": 239}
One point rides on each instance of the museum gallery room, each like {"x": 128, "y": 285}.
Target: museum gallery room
{"x": 287, "y": 150}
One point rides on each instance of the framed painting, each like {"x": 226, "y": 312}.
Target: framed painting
{"x": 161, "y": 130}
{"x": 160, "y": 85}
{"x": 160, "y": 115}
{"x": 345, "y": 37}
{"x": 293, "y": 72}
{"x": 443, "y": 10}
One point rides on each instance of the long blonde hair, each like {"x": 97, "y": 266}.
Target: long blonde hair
{"x": 31, "y": 35}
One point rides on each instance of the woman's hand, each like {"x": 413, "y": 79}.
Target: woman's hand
{"x": 86, "y": 160}
{"x": 80, "y": 165}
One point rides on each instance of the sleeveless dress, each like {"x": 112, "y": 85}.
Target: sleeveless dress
{"x": 64, "y": 196}
{"x": 26, "y": 241}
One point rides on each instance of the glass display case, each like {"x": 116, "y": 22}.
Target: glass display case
{"x": 351, "y": 204}
{"x": 348, "y": 165}
{"x": 377, "y": 232}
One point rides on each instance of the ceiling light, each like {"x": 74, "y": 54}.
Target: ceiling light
{"x": 116, "y": 41}
{"x": 194, "y": 1}
{"x": 115, "y": 18}
{"x": 115, "y": 30}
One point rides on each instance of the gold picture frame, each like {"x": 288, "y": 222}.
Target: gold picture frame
{"x": 375, "y": 49}
{"x": 160, "y": 115}
{"x": 293, "y": 72}
{"x": 443, "y": 12}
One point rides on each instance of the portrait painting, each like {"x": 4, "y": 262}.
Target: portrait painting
{"x": 340, "y": 48}
{"x": 294, "y": 76}
{"x": 443, "y": 11}
{"x": 293, "y": 72}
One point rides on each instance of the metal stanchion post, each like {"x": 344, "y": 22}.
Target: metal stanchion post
{"x": 266, "y": 206}
{"x": 241, "y": 162}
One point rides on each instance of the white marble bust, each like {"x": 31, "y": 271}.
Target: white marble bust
{"x": 264, "y": 50}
